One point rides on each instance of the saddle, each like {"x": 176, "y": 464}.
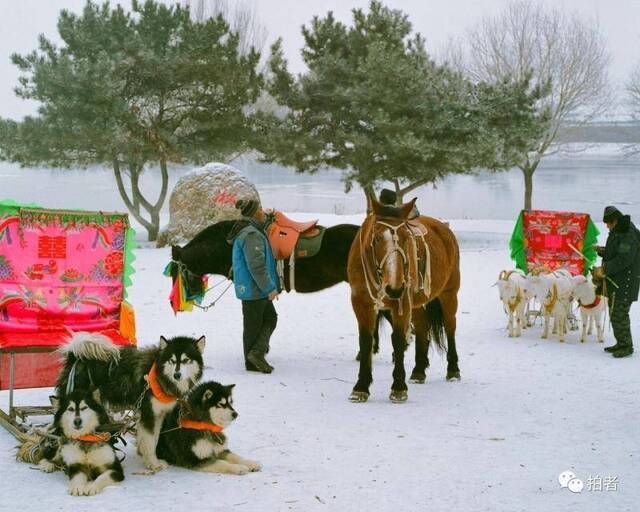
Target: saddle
{"x": 286, "y": 235}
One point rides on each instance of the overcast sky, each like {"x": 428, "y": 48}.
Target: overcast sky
{"x": 437, "y": 20}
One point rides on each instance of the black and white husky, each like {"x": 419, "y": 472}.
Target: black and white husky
{"x": 196, "y": 440}
{"x": 158, "y": 376}
{"x": 85, "y": 451}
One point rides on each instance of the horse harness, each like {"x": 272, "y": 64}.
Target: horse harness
{"x": 373, "y": 280}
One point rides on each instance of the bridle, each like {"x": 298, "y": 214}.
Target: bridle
{"x": 373, "y": 278}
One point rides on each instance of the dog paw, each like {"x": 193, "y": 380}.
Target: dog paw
{"x": 47, "y": 466}
{"x": 239, "y": 469}
{"x": 252, "y": 465}
{"x": 78, "y": 490}
{"x": 156, "y": 465}
{"x": 92, "y": 490}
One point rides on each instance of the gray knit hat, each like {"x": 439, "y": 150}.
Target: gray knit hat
{"x": 611, "y": 213}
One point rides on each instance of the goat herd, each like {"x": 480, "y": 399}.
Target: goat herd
{"x": 555, "y": 295}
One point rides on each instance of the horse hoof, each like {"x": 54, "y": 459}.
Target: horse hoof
{"x": 418, "y": 378}
{"x": 358, "y": 397}
{"x": 453, "y": 376}
{"x": 398, "y": 397}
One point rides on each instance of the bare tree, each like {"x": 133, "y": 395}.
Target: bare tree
{"x": 241, "y": 16}
{"x": 566, "y": 51}
{"x": 633, "y": 100}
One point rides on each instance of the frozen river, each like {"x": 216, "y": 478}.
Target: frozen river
{"x": 581, "y": 184}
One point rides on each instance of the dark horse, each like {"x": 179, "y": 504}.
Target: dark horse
{"x": 210, "y": 253}
{"x": 390, "y": 269}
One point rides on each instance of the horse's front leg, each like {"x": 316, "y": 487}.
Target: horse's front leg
{"x": 366, "y": 316}
{"x": 399, "y": 340}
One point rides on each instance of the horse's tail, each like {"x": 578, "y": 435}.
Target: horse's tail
{"x": 435, "y": 324}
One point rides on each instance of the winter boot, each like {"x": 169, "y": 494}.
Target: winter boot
{"x": 257, "y": 359}
{"x": 625, "y": 351}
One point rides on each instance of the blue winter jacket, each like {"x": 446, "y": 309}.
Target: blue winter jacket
{"x": 254, "y": 267}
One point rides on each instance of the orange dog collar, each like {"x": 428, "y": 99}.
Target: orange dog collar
{"x": 200, "y": 425}
{"x": 156, "y": 389}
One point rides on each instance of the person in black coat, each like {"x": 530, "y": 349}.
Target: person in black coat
{"x": 388, "y": 197}
{"x": 621, "y": 266}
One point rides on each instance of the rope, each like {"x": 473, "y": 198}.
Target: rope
{"x": 378, "y": 303}
{"x": 292, "y": 270}
{"x": 213, "y": 303}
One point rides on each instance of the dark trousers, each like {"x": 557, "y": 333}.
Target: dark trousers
{"x": 259, "y": 320}
{"x": 619, "y": 312}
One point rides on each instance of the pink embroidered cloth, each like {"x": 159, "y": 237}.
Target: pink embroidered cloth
{"x": 61, "y": 270}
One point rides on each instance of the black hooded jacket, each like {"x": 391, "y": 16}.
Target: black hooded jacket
{"x": 621, "y": 260}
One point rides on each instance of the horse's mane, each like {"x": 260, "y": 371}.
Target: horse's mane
{"x": 217, "y": 231}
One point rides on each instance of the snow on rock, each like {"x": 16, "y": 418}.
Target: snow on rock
{"x": 203, "y": 197}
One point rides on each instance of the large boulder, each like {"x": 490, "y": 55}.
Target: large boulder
{"x": 203, "y": 197}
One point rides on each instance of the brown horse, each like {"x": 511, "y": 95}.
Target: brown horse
{"x": 401, "y": 266}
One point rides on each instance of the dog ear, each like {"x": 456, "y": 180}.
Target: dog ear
{"x": 200, "y": 343}
{"x": 163, "y": 343}
{"x": 55, "y": 402}
{"x": 96, "y": 395}
{"x": 230, "y": 387}
{"x": 207, "y": 395}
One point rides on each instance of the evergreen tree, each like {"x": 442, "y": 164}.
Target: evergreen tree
{"x": 133, "y": 89}
{"x": 375, "y": 105}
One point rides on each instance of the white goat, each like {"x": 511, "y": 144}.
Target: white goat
{"x": 592, "y": 307}
{"x": 512, "y": 286}
{"x": 554, "y": 291}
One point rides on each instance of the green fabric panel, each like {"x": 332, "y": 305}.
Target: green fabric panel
{"x": 10, "y": 208}
{"x": 517, "y": 245}
{"x": 129, "y": 258}
{"x": 590, "y": 239}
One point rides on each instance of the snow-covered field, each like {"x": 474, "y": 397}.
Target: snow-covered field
{"x": 526, "y": 410}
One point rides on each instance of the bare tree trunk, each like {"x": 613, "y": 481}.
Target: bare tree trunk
{"x": 528, "y": 186}
{"x": 137, "y": 199}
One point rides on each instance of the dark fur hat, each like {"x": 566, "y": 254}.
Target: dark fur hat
{"x": 611, "y": 213}
{"x": 387, "y": 196}
{"x": 248, "y": 207}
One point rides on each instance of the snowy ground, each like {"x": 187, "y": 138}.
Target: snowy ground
{"x": 526, "y": 410}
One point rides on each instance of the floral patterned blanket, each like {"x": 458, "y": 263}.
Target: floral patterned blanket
{"x": 62, "y": 270}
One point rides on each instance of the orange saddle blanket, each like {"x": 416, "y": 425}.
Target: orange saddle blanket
{"x": 283, "y": 234}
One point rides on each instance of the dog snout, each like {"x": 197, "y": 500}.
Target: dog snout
{"x": 77, "y": 422}
{"x": 177, "y": 375}
{"x": 234, "y": 415}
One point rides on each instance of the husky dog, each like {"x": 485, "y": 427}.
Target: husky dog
{"x": 195, "y": 439}
{"x": 85, "y": 452}
{"x": 158, "y": 376}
